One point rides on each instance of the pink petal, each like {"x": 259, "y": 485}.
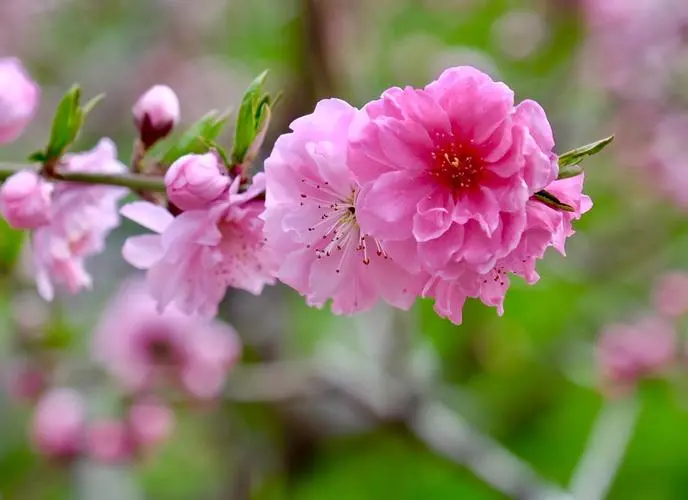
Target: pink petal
{"x": 148, "y": 215}
{"x": 143, "y": 251}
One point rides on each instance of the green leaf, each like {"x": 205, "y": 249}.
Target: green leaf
{"x": 552, "y": 201}
{"x": 214, "y": 146}
{"x": 570, "y": 171}
{"x": 252, "y": 107}
{"x": 196, "y": 138}
{"x": 579, "y": 154}
{"x": 92, "y": 103}
{"x": 37, "y": 157}
{"x": 66, "y": 124}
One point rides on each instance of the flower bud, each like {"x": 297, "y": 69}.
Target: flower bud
{"x": 25, "y": 200}
{"x": 156, "y": 113}
{"x": 58, "y": 424}
{"x": 196, "y": 181}
{"x": 19, "y": 96}
{"x": 151, "y": 423}
{"x": 109, "y": 441}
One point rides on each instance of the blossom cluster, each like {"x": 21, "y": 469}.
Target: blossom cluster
{"x": 423, "y": 192}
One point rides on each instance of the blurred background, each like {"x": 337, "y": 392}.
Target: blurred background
{"x": 572, "y": 390}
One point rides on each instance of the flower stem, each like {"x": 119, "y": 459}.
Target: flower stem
{"x": 135, "y": 182}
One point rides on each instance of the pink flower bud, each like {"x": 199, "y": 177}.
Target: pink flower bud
{"x": 151, "y": 423}
{"x": 156, "y": 113}
{"x": 19, "y": 96}
{"x": 58, "y": 423}
{"x": 25, "y": 200}
{"x": 671, "y": 294}
{"x": 196, "y": 181}
{"x": 109, "y": 441}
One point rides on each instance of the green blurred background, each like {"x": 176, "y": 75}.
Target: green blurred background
{"x": 527, "y": 380}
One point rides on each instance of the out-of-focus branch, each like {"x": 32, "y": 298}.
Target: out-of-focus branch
{"x": 380, "y": 397}
{"x": 273, "y": 382}
{"x": 446, "y": 433}
{"x": 605, "y": 449}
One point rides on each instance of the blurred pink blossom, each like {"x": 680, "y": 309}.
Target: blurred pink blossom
{"x": 196, "y": 181}
{"x": 671, "y": 294}
{"x": 151, "y": 422}
{"x": 25, "y": 380}
{"x": 143, "y": 348}
{"x": 311, "y": 219}
{"x": 19, "y": 97}
{"x": 628, "y": 352}
{"x": 108, "y": 441}
{"x": 58, "y": 423}
{"x": 156, "y": 113}
{"x": 25, "y": 200}
{"x": 196, "y": 256}
{"x": 82, "y": 218}
{"x": 667, "y": 157}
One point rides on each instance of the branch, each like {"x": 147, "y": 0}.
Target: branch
{"x": 441, "y": 429}
{"x": 449, "y": 435}
{"x": 605, "y": 449}
{"x": 135, "y": 182}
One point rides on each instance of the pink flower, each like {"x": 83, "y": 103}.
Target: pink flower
{"x": 451, "y": 168}
{"x": 151, "y": 423}
{"x": 196, "y": 181}
{"x": 141, "y": 347}
{"x": 82, "y": 218}
{"x": 19, "y": 96}
{"x": 311, "y": 219}
{"x": 545, "y": 227}
{"x": 58, "y": 423}
{"x": 196, "y": 256}
{"x": 25, "y": 200}
{"x": 671, "y": 294}
{"x": 156, "y": 113}
{"x": 627, "y": 353}
{"x": 109, "y": 441}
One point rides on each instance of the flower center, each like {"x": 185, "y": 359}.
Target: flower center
{"x": 456, "y": 164}
{"x": 337, "y": 233}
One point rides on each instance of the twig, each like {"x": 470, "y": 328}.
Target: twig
{"x": 134, "y": 182}
{"x": 605, "y": 449}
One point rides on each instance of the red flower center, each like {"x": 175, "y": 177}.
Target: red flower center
{"x": 456, "y": 164}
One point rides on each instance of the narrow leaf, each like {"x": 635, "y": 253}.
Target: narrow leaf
{"x": 579, "y": 154}
{"x": 64, "y": 122}
{"x": 37, "y": 157}
{"x": 195, "y": 139}
{"x": 570, "y": 171}
{"x": 552, "y": 201}
{"x": 248, "y": 118}
{"x": 92, "y": 103}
